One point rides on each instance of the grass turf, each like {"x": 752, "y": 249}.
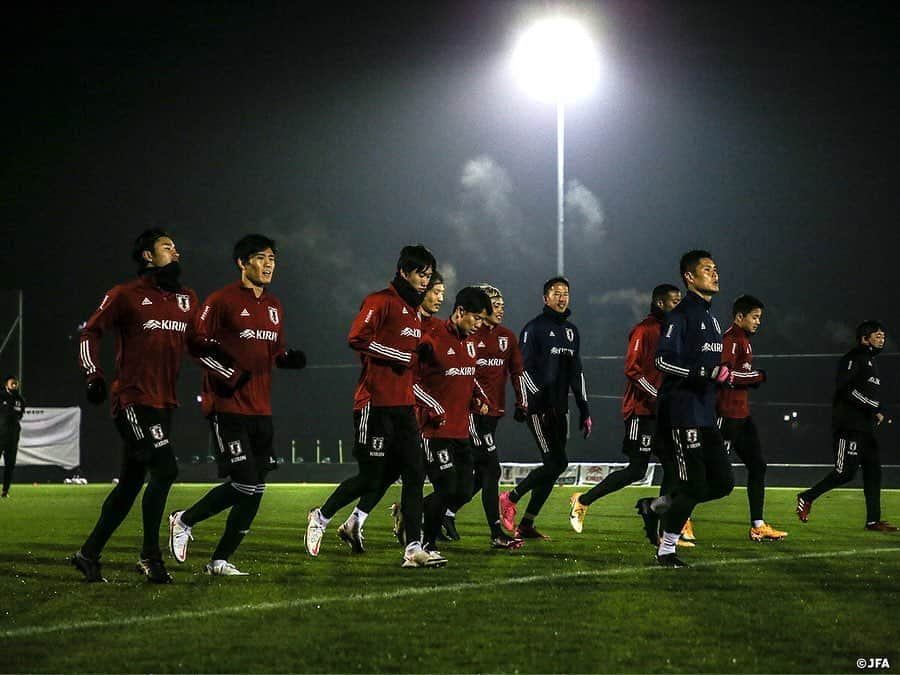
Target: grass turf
{"x": 596, "y": 602}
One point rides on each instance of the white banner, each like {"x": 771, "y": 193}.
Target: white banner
{"x": 50, "y": 436}
{"x": 577, "y": 473}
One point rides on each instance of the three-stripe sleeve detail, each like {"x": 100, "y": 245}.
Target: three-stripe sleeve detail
{"x": 390, "y": 352}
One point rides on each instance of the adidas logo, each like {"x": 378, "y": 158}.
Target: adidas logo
{"x": 481, "y": 345}
{"x": 552, "y": 334}
{"x": 450, "y": 352}
{"x": 404, "y": 311}
{"x": 146, "y": 301}
{"x": 244, "y": 312}
{"x": 702, "y": 326}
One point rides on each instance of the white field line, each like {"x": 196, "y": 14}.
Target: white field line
{"x": 30, "y": 631}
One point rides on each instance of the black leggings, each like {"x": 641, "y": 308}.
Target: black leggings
{"x": 550, "y": 432}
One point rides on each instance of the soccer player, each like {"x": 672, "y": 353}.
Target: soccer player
{"x": 689, "y": 356}
{"x": 551, "y": 353}
{"x": 447, "y": 357}
{"x": 638, "y": 404}
{"x": 12, "y": 407}
{"x": 499, "y": 357}
{"x": 855, "y": 415}
{"x": 247, "y": 320}
{"x": 732, "y": 403}
{"x": 431, "y": 303}
{"x": 385, "y": 334}
{"x": 150, "y": 317}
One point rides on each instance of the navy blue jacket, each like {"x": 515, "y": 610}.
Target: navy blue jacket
{"x": 12, "y": 407}
{"x": 856, "y": 396}
{"x": 551, "y": 355}
{"x": 689, "y": 347}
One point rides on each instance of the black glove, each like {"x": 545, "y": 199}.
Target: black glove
{"x": 96, "y": 390}
{"x": 226, "y": 388}
{"x": 435, "y": 419}
{"x": 755, "y": 385}
{"x": 292, "y": 359}
{"x": 520, "y": 415}
{"x": 424, "y": 350}
{"x": 211, "y": 348}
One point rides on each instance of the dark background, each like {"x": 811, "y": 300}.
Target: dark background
{"x": 765, "y": 132}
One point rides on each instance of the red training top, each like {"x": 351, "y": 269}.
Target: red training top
{"x": 738, "y": 355}
{"x": 643, "y": 378}
{"x": 498, "y": 354}
{"x": 250, "y": 330}
{"x": 385, "y": 333}
{"x": 447, "y": 377}
{"x": 152, "y": 328}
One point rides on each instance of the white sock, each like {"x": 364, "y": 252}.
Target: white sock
{"x": 323, "y": 521}
{"x": 413, "y": 547}
{"x": 758, "y": 523}
{"x": 359, "y": 515}
{"x": 668, "y": 543}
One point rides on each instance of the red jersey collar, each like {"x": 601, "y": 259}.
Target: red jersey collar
{"x": 240, "y": 285}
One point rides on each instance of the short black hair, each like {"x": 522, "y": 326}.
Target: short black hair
{"x": 554, "y": 280}
{"x": 661, "y": 292}
{"x": 473, "y": 299}
{"x": 250, "y": 244}
{"x": 690, "y": 260}
{"x": 145, "y": 242}
{"x": 745, "y": 304}
{"x": 10, "y": 377}
{"x": 436, "y": 278}
{"x": 417, "y": 258}
{"x": 867, "y": 327}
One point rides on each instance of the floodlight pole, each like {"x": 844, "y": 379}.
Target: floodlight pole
{"x": 560, "y": 185}
{"x": 21, "y": 336}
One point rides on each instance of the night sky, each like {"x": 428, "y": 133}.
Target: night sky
{"x": 767, "y": 133}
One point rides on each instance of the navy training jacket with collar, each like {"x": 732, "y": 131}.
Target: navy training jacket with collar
{"x": 690, "y": 346}
{"x": 551, "y": 355}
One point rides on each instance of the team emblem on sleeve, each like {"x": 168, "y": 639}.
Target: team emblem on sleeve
{"x": 570, "y": 334}
{"x": 273, "y": 315}
{"x": 503, "y": 342}
{"x": 184, "y": 302}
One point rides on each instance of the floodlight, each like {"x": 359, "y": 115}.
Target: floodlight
{"x": 556, "y": 60}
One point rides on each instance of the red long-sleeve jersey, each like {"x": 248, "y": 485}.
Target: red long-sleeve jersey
{"x": 385, "y": 333}
{"x": 447, "y": 381}
{"x": 738, "y": 355}
{"x": 249, "y": 330}
{"x": 498, "y": 355}
{"x": 152, "y": 328}
{"x": 643, "y": 378}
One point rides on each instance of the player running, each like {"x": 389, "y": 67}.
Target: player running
{"x": 247, "y": 320}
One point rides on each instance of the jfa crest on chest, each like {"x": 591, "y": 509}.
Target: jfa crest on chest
{"x": 470, "y": 347}
{"x": 570, "y": 334}
{"x": 184, "y": 302}
{"x": 503, "y": 342}
{"x": 273, "y": 315}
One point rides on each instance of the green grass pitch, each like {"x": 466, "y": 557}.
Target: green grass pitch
{"x": 816, "y": 602}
